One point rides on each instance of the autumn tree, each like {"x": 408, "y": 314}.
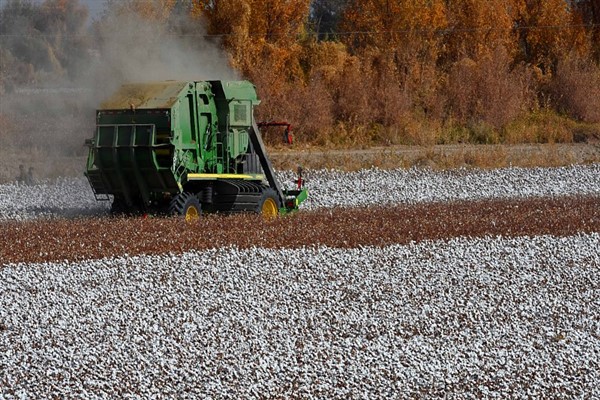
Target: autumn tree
{"x": 547, "y": 30}
{"x": 589, "y": 14}
{"x": 484, "y": 85}
{"x": 397, "y": 42}
{"x": 157, "y": 11}
{"x": 392, "y": 24}
{"x": 265, "y": 42}
{"x": 576, "y": 88}
{"x": 63, "y": 21}
{"x": 476, "y": 28}
{"x": 258, "y": 32}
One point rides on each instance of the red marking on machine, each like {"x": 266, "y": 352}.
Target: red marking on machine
{"x": 288, "y": 138}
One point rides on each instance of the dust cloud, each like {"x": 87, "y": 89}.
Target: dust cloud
{"x": 45, "y": 120}
{"x": 136, "y": 50}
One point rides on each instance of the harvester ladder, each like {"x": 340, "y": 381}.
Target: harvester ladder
{"x": 181, "y": 167}
{"x": 221, "y": 155}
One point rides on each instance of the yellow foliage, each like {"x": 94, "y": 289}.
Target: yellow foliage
{"x": 477, "y": 27}
{"x": 326, "y": 59}
{"x": 253, "y": 30}
{"x": 152, "y": 10}
{"x": 385, "y": 25}
{"x": 548, "y": 30}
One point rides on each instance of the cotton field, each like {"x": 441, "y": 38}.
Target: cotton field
{"x": 461, "y": 317}
{"x": 329, "y": 188}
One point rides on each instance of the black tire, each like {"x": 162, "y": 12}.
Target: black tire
{"x": 186, "y": 205}
{"x": 268, "y": 205}
{"x": 118, "y": 208}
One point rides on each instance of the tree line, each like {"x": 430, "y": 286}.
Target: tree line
{"x": 354, "y": 72}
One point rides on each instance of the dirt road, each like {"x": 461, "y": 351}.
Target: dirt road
{"x": 439, "y": 157}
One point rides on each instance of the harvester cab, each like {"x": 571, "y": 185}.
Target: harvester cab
{"x": 185, "y": 148}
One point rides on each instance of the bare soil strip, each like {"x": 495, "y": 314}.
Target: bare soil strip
{"x": 90, "y": 238}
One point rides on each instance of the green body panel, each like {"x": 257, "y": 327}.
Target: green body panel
{"x": 152, "y": 139}
{"x": 293, "y": 199}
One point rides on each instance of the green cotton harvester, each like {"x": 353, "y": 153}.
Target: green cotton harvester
{"x": 185, "y": 148}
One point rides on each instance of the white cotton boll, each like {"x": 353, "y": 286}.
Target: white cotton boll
{"x": 332, "y": 188}
{"x": 463, "y": 317}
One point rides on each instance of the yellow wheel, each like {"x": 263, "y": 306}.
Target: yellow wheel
{"x": 269, "y": 208}
{"x": 192, "y": 214}
{"x": 187, "y": 205}
{"x": 268, "y": 205}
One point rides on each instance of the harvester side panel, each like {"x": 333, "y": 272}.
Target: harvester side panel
{"x": 127, "y": 157}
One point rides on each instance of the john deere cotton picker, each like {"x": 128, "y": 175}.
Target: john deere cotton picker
{"x": 185, "y": 148}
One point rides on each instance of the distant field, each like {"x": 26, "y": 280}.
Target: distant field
{"x": 352, "y": 159}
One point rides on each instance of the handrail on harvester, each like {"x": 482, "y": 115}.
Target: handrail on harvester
{"x": 265, "y": 163}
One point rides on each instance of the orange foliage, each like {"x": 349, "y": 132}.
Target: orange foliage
{"x": 152, "y": 10}
{"x": 576, "y": 86}
{"x": 385, "y": 24}
{"x": 433, "y": 63}
{"x": 398, "y": 43}
{"x": 255, "y": 30}
{"x": 476, "y": 28}
{"x": 488, "y": 90}
{"x": 440, "y": 61}
{"x": 588, "y": 12}
{"x": 547, "y": 30}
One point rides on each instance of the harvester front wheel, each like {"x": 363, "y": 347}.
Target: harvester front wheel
{"x": 268, "y": 206}
{"x": 187, "y": 205}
